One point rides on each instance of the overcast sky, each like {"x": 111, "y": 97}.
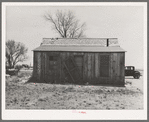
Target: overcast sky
{"x": 26, "y": 24}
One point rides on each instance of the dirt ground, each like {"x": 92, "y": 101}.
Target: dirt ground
{"x": 21, "y": 95}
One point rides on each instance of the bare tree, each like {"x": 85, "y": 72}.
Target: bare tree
{"x": 66, "y": 24}
{"x": 15, "y": 52}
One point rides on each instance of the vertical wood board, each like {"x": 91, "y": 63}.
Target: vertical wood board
{"x": 92, "y": 66}
{"x": 89, "y": 66}
{"x": 85, "y": 67}
{"x": 96, "y": 65}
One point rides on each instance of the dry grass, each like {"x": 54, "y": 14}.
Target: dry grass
{"x": 25, "y": 73}
{"x": 50, "y": 96}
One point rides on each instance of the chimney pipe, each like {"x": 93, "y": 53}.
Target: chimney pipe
{"x": 107, "y": 42}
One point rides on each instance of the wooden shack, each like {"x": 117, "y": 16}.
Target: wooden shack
{"x": 79, "y": 61}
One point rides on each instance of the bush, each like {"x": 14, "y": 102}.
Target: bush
{"x": 24, "y": 74}
{"x": 13, "y": 79}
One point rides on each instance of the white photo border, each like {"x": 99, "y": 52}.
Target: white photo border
{"x": 68, "y": 114}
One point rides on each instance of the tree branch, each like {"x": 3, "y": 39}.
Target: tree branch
{"x": 66, "y": 24}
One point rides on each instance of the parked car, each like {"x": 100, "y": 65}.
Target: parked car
{"x": 130, "y": 71}
{"x": 12, "y": 71}
{"x": 26, "y": 66}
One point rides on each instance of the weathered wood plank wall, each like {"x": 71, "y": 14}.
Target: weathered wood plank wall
{"x": 96, "y": 66}
{"x": 90, "y": 71}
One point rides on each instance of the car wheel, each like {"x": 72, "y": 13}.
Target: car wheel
{"x": 136, "y": 76}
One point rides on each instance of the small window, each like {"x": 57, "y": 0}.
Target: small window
{"x": 104, "y": 65}
{"x": 79, "y": 60}
{"x": 128, "y": 68}
{"x": 51, "y": 58}
{"x": 52, "y": 61}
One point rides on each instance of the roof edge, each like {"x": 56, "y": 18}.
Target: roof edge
{"x": 83, "y": 38}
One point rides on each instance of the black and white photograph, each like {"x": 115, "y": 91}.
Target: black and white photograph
{"x": 74, "y": 61}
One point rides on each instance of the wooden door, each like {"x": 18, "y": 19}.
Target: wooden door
{"x": 54, "y": 69}
{"x": 72, "y": 70}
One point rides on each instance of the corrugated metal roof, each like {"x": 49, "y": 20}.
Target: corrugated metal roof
{"x": 78, "y": 48}
{"x": 80, "y": 41}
